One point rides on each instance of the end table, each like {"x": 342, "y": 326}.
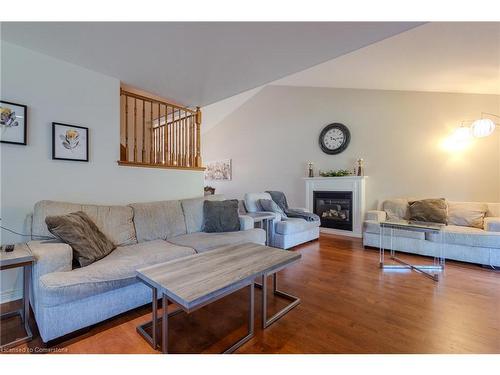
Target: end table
{"x": 21, "y": 256}
{"x": 265, "y": 221}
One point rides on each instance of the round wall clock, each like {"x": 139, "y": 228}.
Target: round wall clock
{"x": 334, "y": 138}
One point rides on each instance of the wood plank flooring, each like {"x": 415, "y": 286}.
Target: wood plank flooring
{"x": 348, "y": 305}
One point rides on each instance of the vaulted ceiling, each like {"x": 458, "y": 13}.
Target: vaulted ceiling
{"x": 461, "y": 57}
{"x": 198, "y": 63}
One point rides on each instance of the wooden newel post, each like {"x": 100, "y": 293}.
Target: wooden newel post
{"x": 198, "y": 137}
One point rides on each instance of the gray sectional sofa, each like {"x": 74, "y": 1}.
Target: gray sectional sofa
{"x": 65, "y": 299}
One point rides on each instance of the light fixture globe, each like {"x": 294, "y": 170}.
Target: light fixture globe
{"x": 482, "y": 128}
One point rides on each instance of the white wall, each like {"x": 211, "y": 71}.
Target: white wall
{"x": 273, "y": 135}
{"x": 58, "y": 91}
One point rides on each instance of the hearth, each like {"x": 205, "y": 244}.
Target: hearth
{"x": 334, "y": 209}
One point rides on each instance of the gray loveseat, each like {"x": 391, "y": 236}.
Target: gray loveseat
{"x": 462, "y": 241}
{"x": 65, "y": 299}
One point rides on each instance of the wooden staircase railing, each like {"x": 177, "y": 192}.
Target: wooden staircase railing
{"x": 158, "y": 134}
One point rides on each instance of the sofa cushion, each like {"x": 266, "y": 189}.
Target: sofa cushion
{"x": 429, "y": 210}
{"x": 467, "y": 236}
{"x": 193, "y": 211}
{"x": 116, "y": 222}
{"x": 294, "y": 225}
{"x": 373, "y": 227}
{"x": 396, "y": 209}
{"x": 114, "y": 271}
{"x": 76, "y": 229}
{"x": 202, "y": 241}
{"x": 467, "y": 214}
{"x": 158, "y": 220}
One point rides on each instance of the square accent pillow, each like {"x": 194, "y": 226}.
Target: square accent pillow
{"x": 221, "y": 216}
{"x": 396, "y": 209}
{"x": 429, "y": 210}
{"x": 467, "y": 214}
{"x": 76, "y": 229}
{"x": 271, "y": 206}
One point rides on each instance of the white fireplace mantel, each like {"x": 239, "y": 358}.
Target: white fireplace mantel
{"x": 356, "y": 184}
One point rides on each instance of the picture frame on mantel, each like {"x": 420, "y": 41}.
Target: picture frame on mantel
{"x": 70, "y": 142}
{"x": 13, "y": 123}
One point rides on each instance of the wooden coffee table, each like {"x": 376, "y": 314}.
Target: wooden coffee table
{"x": 198, "y": 280}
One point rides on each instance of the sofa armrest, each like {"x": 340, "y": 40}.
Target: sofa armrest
{"x": 492, "y": 224}
{"x": 376, "y": 215}
{"x": 246, "y": 222}
{"x": 50, "y": 256}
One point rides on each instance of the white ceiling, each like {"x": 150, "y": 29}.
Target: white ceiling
{"x": 447, "y": 57}
{"x": 198, "y": 63}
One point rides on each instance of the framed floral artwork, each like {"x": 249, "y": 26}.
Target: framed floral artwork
{"x": 70, "y": 142}
{"x": 13, "y": 123}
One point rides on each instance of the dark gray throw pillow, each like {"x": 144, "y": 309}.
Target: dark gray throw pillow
{"x": 80, "y": 232}
{"x": 221, "y": 216}
{"x": 429, "y": 210}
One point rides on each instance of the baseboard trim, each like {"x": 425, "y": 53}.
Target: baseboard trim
{"x": 340, "y": 232}
{"x": 10, "y": 295}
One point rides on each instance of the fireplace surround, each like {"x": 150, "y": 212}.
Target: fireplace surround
{"x": 349, "y": 194}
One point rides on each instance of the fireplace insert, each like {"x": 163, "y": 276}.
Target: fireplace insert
{"x": 334, "y": 209}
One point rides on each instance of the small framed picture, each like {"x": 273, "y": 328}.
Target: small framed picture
{"x": 70, "y": 142}
{"x": 13, "y": 123}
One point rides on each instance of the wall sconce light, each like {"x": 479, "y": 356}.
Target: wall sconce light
{"x": 482, "y": 127}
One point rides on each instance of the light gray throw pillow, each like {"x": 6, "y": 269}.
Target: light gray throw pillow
{"x": 271, "y": 206}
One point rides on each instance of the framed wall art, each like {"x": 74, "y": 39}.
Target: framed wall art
{"x": 13, "y": 123}
{"x": 220, "y": 170}
{"x": 70, "y": 142}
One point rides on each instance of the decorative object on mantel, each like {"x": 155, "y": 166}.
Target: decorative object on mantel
{"x": 360, "y": 170}
{"x": 335, "y": 173}
{"x": 310, "y": 169}
{"x": 208, "y": 190}
{"x": 334, "y": 138}
{"x": 13, "y": 123}
{"x": 218, "y": 170}
{"x": 70, "y": 142}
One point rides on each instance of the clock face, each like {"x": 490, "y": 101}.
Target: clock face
{"x": 334, "y": 138}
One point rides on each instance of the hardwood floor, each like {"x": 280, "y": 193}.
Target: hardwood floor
{"x": 348, "y": 306}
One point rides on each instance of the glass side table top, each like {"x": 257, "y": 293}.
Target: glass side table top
{"x": 412, "y": 225}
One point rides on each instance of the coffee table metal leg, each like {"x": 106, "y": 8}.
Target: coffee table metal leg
{"x": 164, "y": 325}
{"x": 163, "y": 320}
{"x": 154, "y": 321}
{"x": 295, "y": 301}
{"x": 250, "y": 325}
